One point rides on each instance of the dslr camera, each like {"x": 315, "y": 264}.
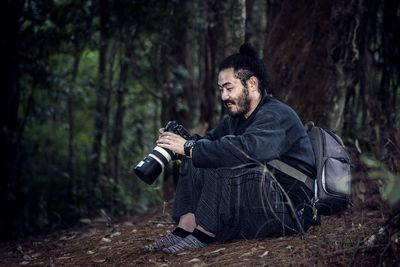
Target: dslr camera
{"x": 152, "y": 165}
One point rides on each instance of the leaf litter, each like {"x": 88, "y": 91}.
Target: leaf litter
{"x": 334, "y": 242}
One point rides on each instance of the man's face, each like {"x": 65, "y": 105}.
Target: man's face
{"x": 234, "y": 95}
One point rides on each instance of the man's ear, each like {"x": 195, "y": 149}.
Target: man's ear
{"x": 252, "y": 83}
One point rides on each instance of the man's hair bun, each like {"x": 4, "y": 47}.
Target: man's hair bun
{"x": 248, "y": 50}
{"x": 247, "y": 59}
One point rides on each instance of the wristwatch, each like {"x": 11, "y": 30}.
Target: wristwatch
{"x": 188, "y": 146}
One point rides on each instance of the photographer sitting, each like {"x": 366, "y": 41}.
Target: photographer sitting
{"x": 225, "y": 190}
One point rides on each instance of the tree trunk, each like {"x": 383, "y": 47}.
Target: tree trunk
{"x": 256, "y": 23}
{"x": 117, "y": 129}
{"x": 71, "y": 123}
{"x": 311, "y": 56}
{"x": 10, "y": 200}
{"x": 207, "y": 71}
{"x": 99, "y": 120}
{"x": 225, "y": 32}
{"x": 113, "y": 152}
{"x": 375, "y": 103}
{"x": 235, "y": 28}
{"x": 176, "y": 69}
{"x": 179, "y": 100}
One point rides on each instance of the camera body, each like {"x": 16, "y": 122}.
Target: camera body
{"x": 152, "y": 165}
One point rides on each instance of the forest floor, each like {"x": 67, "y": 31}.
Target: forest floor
{"x": 347, "y": 239}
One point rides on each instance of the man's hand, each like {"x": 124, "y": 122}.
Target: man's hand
{"x": 171, "y": 141}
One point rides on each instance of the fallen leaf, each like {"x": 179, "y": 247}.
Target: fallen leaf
{"x": 194, "y": 260}
{"x": 90, "y": 252}
{"x": 51, "y": 262}
{"x": 106, "y": 240}
{"x": 100, "y": 261}
{"x": 247, "y": 254}
{"x": 371, "y": 241}
{"x": 357, "y": 144}
{"x": 115, "y": 234}
{"x": 64, "y": 258}
{"x": 19, "y": 249}
{"x": 27, "y": 257}
{"x": 100, "y": 220}
{"x": 24, "y": 263}
{"x": 128, "y": 224}
{"x": 264, "y": 254}
{"x": 360, "y": 191}
{"x": 36, "y": 255}
{"x": 214, "y": 252}
{"x": 64, "y": 238}
{"x": 85, "y": 221}
{"x": 395, "y": 237}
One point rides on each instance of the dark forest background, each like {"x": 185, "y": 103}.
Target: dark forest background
{"x": 85, "y": 86}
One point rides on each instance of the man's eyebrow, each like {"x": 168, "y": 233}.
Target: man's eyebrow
{"x": 227, "y": 83}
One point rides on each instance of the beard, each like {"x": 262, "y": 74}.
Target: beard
{"x": 239, "y": 106}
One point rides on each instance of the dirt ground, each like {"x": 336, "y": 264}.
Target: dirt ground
{"x": 351, "y": 238}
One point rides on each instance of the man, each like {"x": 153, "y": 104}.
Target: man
{"x": 225, "y": 190}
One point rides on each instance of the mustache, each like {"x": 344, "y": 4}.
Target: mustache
{"x": 226, "y": 102}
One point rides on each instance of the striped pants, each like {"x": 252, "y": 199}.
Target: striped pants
{"x": 241, "y": 202}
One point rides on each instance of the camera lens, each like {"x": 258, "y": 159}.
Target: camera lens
{"x": 151, "y": 166}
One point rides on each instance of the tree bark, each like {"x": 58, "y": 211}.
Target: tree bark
{"x": 176, "y": 69}
{"x": 71, "y": 132}
{"x": 99, "y": 120}
{"x": 10, "y": 132}
{"x": 256, "y": 23}
{"x": 225, "y": 32}
{"x": 372, "y": 107}
{"x": 311, "y": 55}
{"x": 235, "y": 25}
{"x": 207, "y": 71}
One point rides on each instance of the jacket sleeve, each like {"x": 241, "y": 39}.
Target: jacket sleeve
{"x": 262, "y": 141}
{"x": 217, "y": 132}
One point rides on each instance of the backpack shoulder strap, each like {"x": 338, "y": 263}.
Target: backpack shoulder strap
{"x": 292, "y": 172}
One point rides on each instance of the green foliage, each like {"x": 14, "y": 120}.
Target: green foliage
{"x": 390, "y": 182}
{"x": 59, "y": 81}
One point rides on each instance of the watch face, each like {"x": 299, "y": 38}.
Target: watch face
{"x": 189, "y": 143}
{"x": 187, "y": 146}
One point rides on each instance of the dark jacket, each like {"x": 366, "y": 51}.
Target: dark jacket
{"x": 273, "y": 131}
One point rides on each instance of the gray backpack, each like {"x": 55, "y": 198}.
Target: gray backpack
{"x": 332, "y": 186}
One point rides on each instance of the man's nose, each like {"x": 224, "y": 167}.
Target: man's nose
{"x": 224, "y": 95}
